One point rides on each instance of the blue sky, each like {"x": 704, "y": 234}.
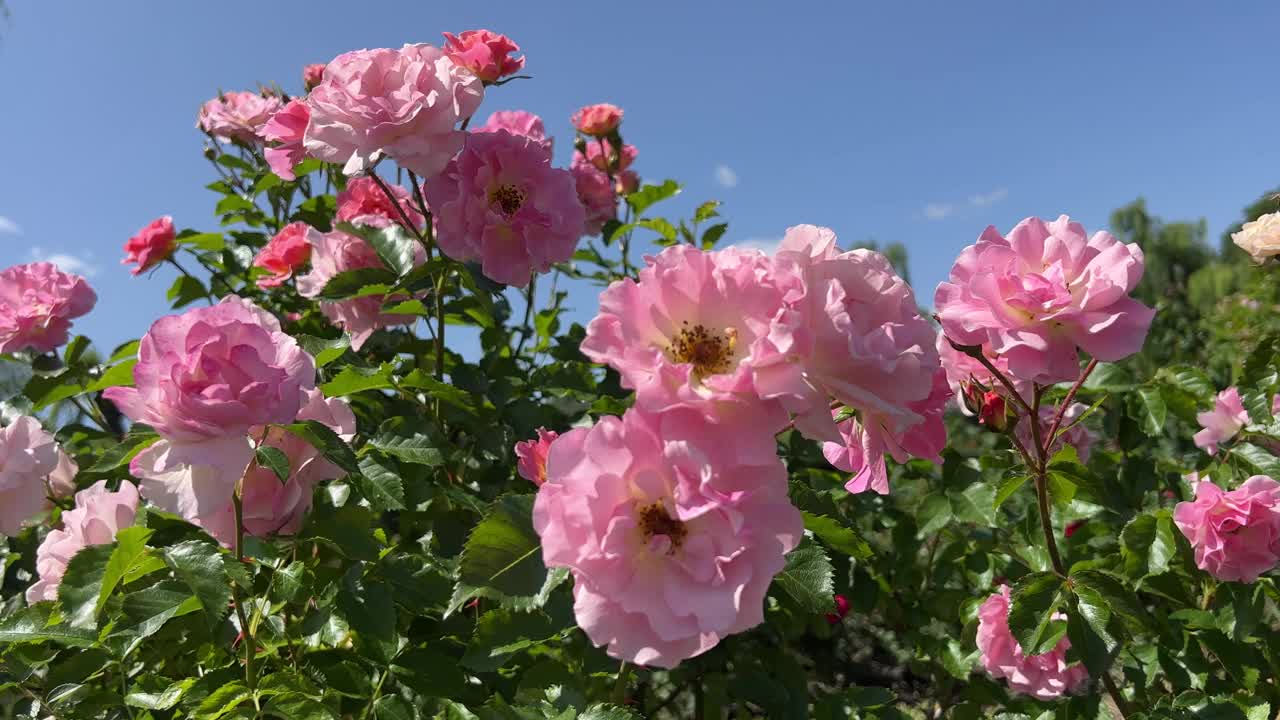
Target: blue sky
{"x": 912, "y": 122}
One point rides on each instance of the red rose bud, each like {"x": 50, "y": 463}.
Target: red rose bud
{"x": 994, "y": 413}
{"x": 842, "y": 609}
{"x": 1072, "y": 527}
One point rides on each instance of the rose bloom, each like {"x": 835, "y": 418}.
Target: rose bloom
{"x": 237, "y": 115}
{"x": 500, "y": 203}
{"x": 37, "y": 304}
{"x": 205, "y": 378}
{"x": 532, "y": 465}
{"x": 1260, "y": 238}
{"x": 673, "y": 528}
{"x": 62, "y": 481}
{"x": 693, "y": 327}
{"x": 337, "y": 252}
{"x": 270, "y": 507}
{"x": 1221, "y": 423}
{"x": 98, "y": 515}
{"x": 1045, "y": 676}
{"x": 854, "y": 335}
{"x": 28, "y": 455}
{"x": 151, "y": 245}
{"x": 312, "y": 75}
{"x": 288, "y": 127}
{"x": 597, "y": 120}
{"x": 862, "y": 449}
{"x": 1077, "y": 435}
{"x": 1235, "y": 534}
{"x": 1043, "y": 294}
{"x": 287, "y": 252}
{"x": 628, "y": 182}
{"x": 485, "y": 53}
{"x": 362, "y": 202}
{"x": 518, "y": 122}
{"x": 603, "y": 155}
{"x": 405, "y": 104}
{"x": 597, "y": 196}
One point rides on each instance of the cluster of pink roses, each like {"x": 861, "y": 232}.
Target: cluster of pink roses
{"x": 675, "y": 517}
{"x": 37, "y": 304}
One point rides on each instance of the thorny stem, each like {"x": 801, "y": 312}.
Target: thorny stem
{"x": 395, "y": 202}
{"x": 620, "y": 687}
{"x": 246, "y": 632}
{"x": 530, "y": 296}
{"x": 1071, "y": 396}
{"x": 207, "y": 293}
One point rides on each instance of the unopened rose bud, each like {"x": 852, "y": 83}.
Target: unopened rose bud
{"x": 842, "y": 609}
{"x": 994, "y": 412}
{"x": 312, "y": 75}
{"x": 1072, "y": 527}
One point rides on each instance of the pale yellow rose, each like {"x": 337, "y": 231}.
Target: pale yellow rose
{"x": 1260, "y": 238}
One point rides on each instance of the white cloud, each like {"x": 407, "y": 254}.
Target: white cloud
{"x": 990, "y": 198}
{"x": 9, "y": 227}
{"x": 766, "y": 244}
{"x": 726, "y": 177}
{"x": 66, "y": 262}
{"x": 938, "y": 211}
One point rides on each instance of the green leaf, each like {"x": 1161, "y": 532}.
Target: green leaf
{"x": 147, "y": 610}
{"x": 501, "y": 633}
{"x": 379, "y": 483}
{"x": 394, "y": 245}
{"x": 837, "y": 536}
{"x": 160, "y": 701}
{"x": 82, "y": 585}
{"x": 297, "y": 706}
{"x": 661, "y": 226}
{"x": 706, "y": 211}
{"x": 1010, "y": 485}
{"x": 608, "y": 712}
{"x": 1147, "y": 544}
{"x": 324, "y": 351}
{"x": 211, "y": 242}
{"x": 503, "y": 552}
{"x": 933, "y": 514}
{"x": 1151, "y": 411}
{"x": 139, "y": 438}
{"x": 1090, "y": 639}
{"x": 199, "y": 565}
{"x": 353, "y": 380}
{"x": 391, "y": 707}
{"x": 1034, "y": 600}
{"x": 976, "y": 504}
{"x": 351, "y": 283}
{"x": 647, "y": 196}
{"x": 186, "y": 290}
{"x": 273, "y": 459}
{"x": 1098, "y": 587}
{"x": 712, "y": 235}
{"x": 457, "y": 397}
{"x": 416, "y": 448}
{"x": 808, "y": 578}
{"x": 1190, "y": 380}
{"x": 323, "y": 438}
{"x": 223, "y": 700}
{"x": 32, "y": 625}
{"x": 1255, "y": 460}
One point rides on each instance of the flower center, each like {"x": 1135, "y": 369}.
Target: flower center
{"x": 507, "y": 197}
{"x": 709, "y": 352}
{"x": 655, "y": 521}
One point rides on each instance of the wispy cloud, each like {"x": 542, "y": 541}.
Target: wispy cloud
{"x": 766, "y": 244}
{"x": 939, "y": 211}
{"x": 942, "y": 210}
{"x": 66, "y": 262}
{"x": 9, "y": 227}
{"x": 990, "y": 198}
{"x": 726, "y": 177}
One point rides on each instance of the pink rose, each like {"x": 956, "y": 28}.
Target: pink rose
{"x": 62, "y": 481}
{"x": 405, "y": 104}
{"x": 206, "y": 377}
{"x": 37, "y": 304}
{"x": 854, "y": 335}
{"x": 597, "y": 120}
{"x": 862, "y": 449}
{"x": 628, "y": 182}
{"x": 1042, "y": 295}
{"x": 484, "y": 53}
{"x": 518, "y": 122}
{"x": 362, "y": 202}
{"x": 596, "y": 195}
{"x": 312, "y": 75}
{"x": 28, "y": 455}
{"x": 237, "y": 115}
{"x": 288, "y": 127}
{"x": 1236, "y": 534}
{"x": 602, "y": 155}
{"x": 673, "y": 528}
{"x": 337, "y": 252}
{"x": 99, "y": 514}
{"x": 532, "y": 465}
{"x": 151, "y": 245}
{"x": 1221, "y": 423}
{"x": 1044, "y": 676}
{"x": 691, "y": 330}
{"x": 287, "y": 252}
{"x": 500, "y": 203}
{"x": 1077, "y": 435}
{"x": 271, "y": 507}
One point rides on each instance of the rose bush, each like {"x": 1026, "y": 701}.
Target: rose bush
{"x": 366, "y": 466}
